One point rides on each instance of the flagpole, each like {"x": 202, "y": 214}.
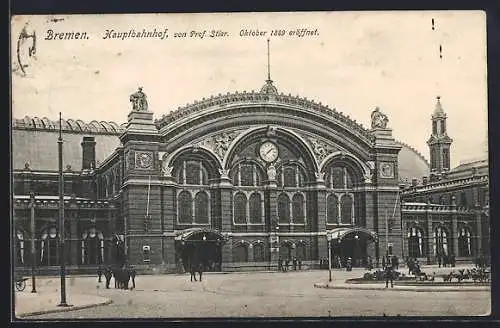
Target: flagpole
{"x": 61, "y": 217}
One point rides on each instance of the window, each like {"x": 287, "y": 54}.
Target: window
{"x": 49, "y": 248}
{"x": 290, "y": 175}
{"x": 443, "y": 126}
{"x": 283, "y": 209}
{"x": 463, "y": 199}
{"x": 185, "y": 207}
{"x": 192, "y": 173}
{"x": 241, "y": 253}
{"x": 201, "y": 208}
{"x": 446, "y": 159}
{"x": 346, "y": 209}
{"x": 440, "y": 241}
{"x": 332, "y": 211}
{"x": 258, "y": 252}
{"x": 19, "y": 248}
{"x": 339, "y": 177}
{"x": 246, "y": 174}
{"x": 464, "y": 242}
{"x": 298, "y": 207}
{"x": 92, "y": 247}
{"x": 240, "y": 208}
{"x": 301, "y": 251}
{"x": 434, "y": 127}
{"x": 415, "y": 242}
{"x": 255, "y": 208}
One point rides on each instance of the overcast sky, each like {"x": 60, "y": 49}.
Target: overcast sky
{"x": 358, "y": 61}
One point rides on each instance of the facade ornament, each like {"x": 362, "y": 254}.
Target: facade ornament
{"x": 320, "y": 176}
{"x": 271, "y": 131}
{"x": 224, "y": 173}
{"x": 27, "y": 166}
{"x": 379, "y": 119}
{"x": 321, "y": 149}
{"x": 218, "y": 143}
{"x": 271, "y": 173}
{"x": 139, "y": 100}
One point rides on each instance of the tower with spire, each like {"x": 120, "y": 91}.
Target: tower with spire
{"x": 439, "y": 143}
{"x": 269, "y": 88}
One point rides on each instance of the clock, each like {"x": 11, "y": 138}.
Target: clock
{"x": 268, "y": 151}
{"x": 387, "y": 170}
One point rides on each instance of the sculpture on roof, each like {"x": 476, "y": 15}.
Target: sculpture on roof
{"x": 139, "y": 101}
{"x": 379, "y": 119}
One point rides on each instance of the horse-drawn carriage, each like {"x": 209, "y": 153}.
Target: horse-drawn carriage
{"x": 20, "y": 283}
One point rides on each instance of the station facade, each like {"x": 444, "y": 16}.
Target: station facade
{"x": 247, "y": 178}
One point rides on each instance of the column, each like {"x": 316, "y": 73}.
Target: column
{"x": 479, "y": 229}
{"x": 430, "y": 236}
{"x": 227, "y": 224}
{"x": 74, "y": 238}
{"x": 454, "y": 233}
{"x": 322, "y": 225}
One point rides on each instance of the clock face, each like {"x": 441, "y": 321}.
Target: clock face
{"x": 268, "y": 151}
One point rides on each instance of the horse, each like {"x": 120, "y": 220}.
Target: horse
{"x": 122, "y": 277}
{"x": 196, "y": 267}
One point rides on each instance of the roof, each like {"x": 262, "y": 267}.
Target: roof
{"x": 468, "y": 168}
{"x": 411, "y": 164}
{"x": 69, "y": 125}
{"x": 39, "y": 148}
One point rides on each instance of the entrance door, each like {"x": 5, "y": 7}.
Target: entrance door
{"x": 355, "y": 248}
{"x": 203, "y": 247}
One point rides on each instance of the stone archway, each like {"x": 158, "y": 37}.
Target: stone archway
{"x": 351, "y": 242}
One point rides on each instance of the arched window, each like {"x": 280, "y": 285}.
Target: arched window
{"x": 185, "y": 207}
{"x": 440, "y": 241}
{"x": 19, "y": 248}
{"x": 301, "y": 251}
{"x": 332, "y": 211}
{"x": 240, "y": 208}
{"x": 415, "y": 242}
{"x": 258, "y": 252}
{"x": 49, "y": 247}
{"x": 246, "y": 174}
{"x": 339, "y": 177}
{"x": 202, "y": 210}
{"x": 346, "y": 209}
{"x": 464, "y": 242}
{"x": 241, "y": 253}
{"x": 283, "y": 209}
{"x": 92, "y": 247}
{"x": 255, "y": 208}
{"x": 286, "y": 250}
{"x": 298, "y": 209}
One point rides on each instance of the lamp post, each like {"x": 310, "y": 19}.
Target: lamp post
{"x": 33, "y": 239}
{"x": 356, "y": 250}
{"x": 329, "y": 239}
{"x": 61, "y": 217}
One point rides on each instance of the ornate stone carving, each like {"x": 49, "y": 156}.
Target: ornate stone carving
{"x": 320, "y": 176}
{"x": 139, "y": 100}
{"x": 387, "y": 170}
{"x": 218, "y": 143}
{"x": 321, "y": 149}
{"x": 144, "y": 160}
{"x": 379, "y": 119}
{"x": 271, "y": 173}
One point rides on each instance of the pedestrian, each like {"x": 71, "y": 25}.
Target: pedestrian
{"x": 280, "y": 264}
{"x": 383, "y": 262}
{"x": 294, "y": 261}
{"x": 439, "y": 261}
{"x": 321, "y": 263}
{"x": 99, "y": 273}
{"x": 108, "y": 274}
{"x": 300, "y": 264}
{"x": 389, "y": 276}
{"x": 287, "y": 262}
{"x": 132, "y": 273}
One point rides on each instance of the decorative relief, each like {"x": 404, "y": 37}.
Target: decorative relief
{"x": 144, "y": 160}
{"x": 218, "y": 143}
{"x": 387, "y": 170}
{"x": 321, "y": 149}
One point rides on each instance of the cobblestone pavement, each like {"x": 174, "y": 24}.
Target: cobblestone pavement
{"x": 264, "y": 295}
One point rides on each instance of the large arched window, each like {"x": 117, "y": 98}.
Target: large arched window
{"x": 92, "y": 247}
{"x": 258, "y": 252}
{"x": 346, "y": 205}
{"x": 246, "y": 174}
{"x": 255, "y": 208}
{"x": 338, "y": 177}
{"x": 185, "y": 207}
{"x": 440, "y": 241}
{"x": 298, "y": 209}
{"x": 241, "y": 253}
{"x": 415, "y": 242}
{"x": 201, "y": 208}
{"x": 283, "y": 209}
{"x": 332, "y": 210}
{"x": 49, "y": 247}
{"x": 464, "y": 242}
{"x": 19, "y": 248}
{"x": 240, "y": 208}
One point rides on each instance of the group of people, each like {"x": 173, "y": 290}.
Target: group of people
{"x": 446, "y": 260}
{"x": 390, "y": 263}
{"x": 284, "y": 264}
{"x": 122, "y": 276}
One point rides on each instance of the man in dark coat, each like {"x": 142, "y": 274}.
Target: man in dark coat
{"x": 389, "y": 275}
{"x": 132, "y": 273}
{"x": 108, "y": 274}
{"x": 280, "y": 264}
{"x": 99, "y": 273}
{"x": 294, "y": 263}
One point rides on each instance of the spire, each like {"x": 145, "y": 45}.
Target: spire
{"x": 269, "y": 88}
{"x": 438, "y": 110}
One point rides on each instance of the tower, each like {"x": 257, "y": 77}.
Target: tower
{"x": 439, "y": 143}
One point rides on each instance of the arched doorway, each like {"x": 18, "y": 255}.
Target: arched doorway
{"x": 200, "y": 245}
{"x": 350, "y": 242}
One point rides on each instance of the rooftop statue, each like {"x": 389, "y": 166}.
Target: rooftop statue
{"x": 139, "y": 101}
{"x": 379, "y": 119}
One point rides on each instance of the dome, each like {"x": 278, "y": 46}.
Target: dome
{"x": 269, "y": 88}
{"x": 411, "y": 164}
